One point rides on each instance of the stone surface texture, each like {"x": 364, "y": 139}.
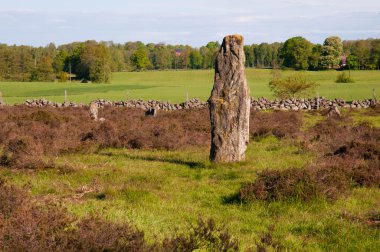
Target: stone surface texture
{"x": 334, "y": 112}
{"x": 229, "y": 103}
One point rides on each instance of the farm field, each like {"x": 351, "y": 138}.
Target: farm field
{"x": 154, "y": 173}
{"x": 174, "y": 85}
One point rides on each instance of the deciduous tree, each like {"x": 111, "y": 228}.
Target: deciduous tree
{"x": 196, "y": 59}
{"x": 140, "y": 59}
{"x": 96, "y": 58}
{"x": 296, "y": 52}
{"x": 331, "y": 53}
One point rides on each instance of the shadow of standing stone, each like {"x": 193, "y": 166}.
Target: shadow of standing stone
{"x": 229, "y": 103}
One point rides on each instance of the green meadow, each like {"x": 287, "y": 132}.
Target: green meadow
{"x": 174, "y": 86}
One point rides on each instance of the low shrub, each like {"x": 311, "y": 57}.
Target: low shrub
{"x": 279, "y": 123}
{"x": 11, "y": 198}
{"x": 206, "y": 235}
{"x": 347, "y": 156}
{"x": 95, "y": 234}
{"x": 374, "y": 218}
{"x": 29, "y": 135}
{"x": 367, "y": 174}
{"x": 268, "y": 242}
{"x": 330, "y": 138}
{"x": 26, "y": 225}
{"x": 296, "y": 85}
{"x": 371, "y": 218}
{"x": 344, "y": 78}
{"x": 298, "y": 184}
{"x": 63, "y": 76}
{"x": 330, "y": 179}
{"x": 23, "y": 152}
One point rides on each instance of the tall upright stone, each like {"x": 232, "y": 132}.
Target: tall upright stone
{"x": 229, "y": 103}
{"x": 94, "y": 111}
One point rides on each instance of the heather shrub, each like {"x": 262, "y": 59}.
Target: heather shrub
{"x": 48, "y": 117}
{"x": 28, "y": 135}
{"x": 11, "y": 198}
{"x": 367, "y": 174}
{"x": 105, "y": 135}
{"x": 329, "y": 178}
{"x": 374, "y": 218}
{"x": 371, "y": 218}
{"x": 28, "y": 226}
{"x": 94, "y": 234}
{"x": 279, "y": 123}
{"x": 268, "y": 242}
{"x": 206, "y": 235}
{"x": 346, "y": 156}
{"x": 298, "y": 184}
{"x": 330, "y": 138}
{"x": 23, "y": 152}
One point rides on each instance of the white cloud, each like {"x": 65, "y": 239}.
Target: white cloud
{"x": 58, "y": 20}
{"x": 267, "y": 18}
{"x": 195, "y": 22}
{"x": 18, "y": 11}
{"x": 253, "y": 18}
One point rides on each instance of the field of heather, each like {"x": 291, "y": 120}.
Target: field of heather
{"x": 309, "y": 183}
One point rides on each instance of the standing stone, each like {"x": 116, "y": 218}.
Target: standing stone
{"x": 94, "y": 111}
{"x": 229, "y": 103}
{"x": 334, "y": 112}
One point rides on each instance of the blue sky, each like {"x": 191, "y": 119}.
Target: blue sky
{"x": 193, "y": 22}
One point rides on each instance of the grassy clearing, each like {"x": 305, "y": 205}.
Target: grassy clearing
{"x": 162, "y": 190}
{"x": 173, "y": 86}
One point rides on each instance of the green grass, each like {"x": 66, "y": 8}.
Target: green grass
{"x": 174, "y": 85}
{"x": 160, "y": 191}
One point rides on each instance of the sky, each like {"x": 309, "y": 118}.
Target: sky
{"x": 192, "y": 22}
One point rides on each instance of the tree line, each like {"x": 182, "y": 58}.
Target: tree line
{"x": 95, "y": 61}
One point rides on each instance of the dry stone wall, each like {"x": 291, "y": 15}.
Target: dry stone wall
{"x": 307, "y": 104}
{"x": 256, "y": 104}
